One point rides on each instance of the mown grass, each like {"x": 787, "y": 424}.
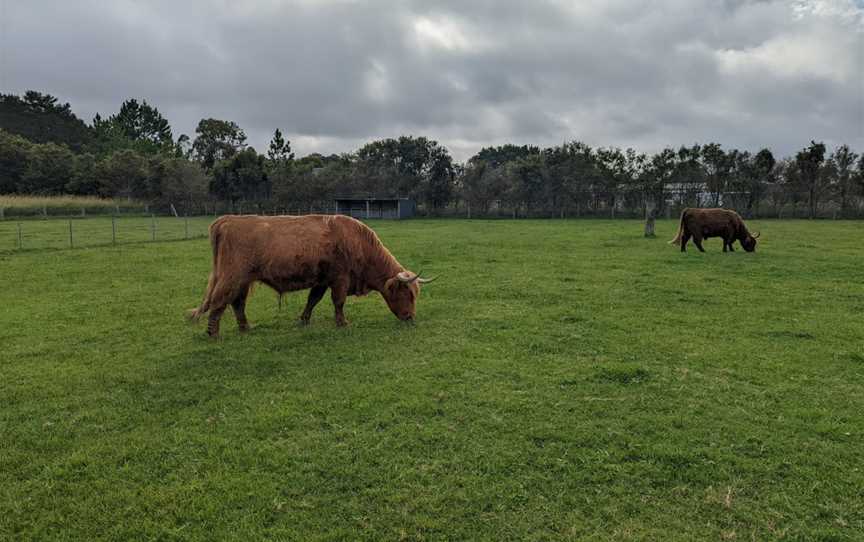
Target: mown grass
{"x": 566, "y": 380}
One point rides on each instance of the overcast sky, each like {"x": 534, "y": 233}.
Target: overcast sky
{"x": 335, "y": 74}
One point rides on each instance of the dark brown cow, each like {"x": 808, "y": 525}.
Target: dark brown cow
{"x": 294, "y": 253}
{"x": 703, "y": 223}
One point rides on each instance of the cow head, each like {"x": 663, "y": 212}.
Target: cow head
{"x": 749, "y": 242}
{"x": 400, "y": 293}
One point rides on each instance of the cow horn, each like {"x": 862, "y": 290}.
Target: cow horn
{"x": 407, "y": 277}
{"x": 425, "y": 281}
{"x": 757, "y": 234}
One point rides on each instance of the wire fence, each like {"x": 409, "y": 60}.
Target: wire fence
{"x": 101, "y": 231}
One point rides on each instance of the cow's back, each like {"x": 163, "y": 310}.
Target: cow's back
{"x": 710, "y": 222}
{"x": 284, "y": 251}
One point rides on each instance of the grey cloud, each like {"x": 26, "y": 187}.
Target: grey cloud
{"x": 334, "y": 74}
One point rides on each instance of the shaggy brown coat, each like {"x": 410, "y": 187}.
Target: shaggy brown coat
{"x": 295, "y": 253}
{"x": 703, "y": 223}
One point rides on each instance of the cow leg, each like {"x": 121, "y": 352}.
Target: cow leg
{"x": 222, "y": 295}
{"x": 239, "y": 306}
{"x": 315, "y": 295}
{"x": 698, "y": 242}
{"x": 725, "y": 244}
{"x": 213, "y": 321}
{"x": 338, "y": 293}
{"x": 731, "y": 248}
{"x": 685, "y": 237}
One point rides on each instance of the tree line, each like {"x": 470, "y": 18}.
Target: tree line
{"x": 46, "y": 149}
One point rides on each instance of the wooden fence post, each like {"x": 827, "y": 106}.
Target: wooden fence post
{"x": 153, "y": 225}
{"x": 113, "y": 230}
{"x": 71, "y": 245}
{"x": 186, "y": 226}
{"x": 20, "y": 238}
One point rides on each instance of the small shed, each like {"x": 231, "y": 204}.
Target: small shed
{"x": 359, "y": 206}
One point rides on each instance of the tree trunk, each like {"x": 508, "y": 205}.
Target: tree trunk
{"x": 649, "y": 222}
{"x": 649, "y": 226}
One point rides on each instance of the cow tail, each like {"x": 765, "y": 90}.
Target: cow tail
{"x": 194, "y": 314}
{"x": 677, "y": 239}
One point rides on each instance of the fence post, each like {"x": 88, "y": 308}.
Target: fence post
{"x": 2, "y": 213}
{"x": 153, "y": 225}
{"x": 113, "y": 230}
{"x": 186, "y": 225}
{"x": 20, "y": 238}
{"x": 71, "y": 245}
{"x": 45, "y": 211}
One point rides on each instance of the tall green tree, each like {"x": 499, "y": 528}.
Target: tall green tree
{"x": 809, "y": 163}
{"x": 499, "y": 156}
{"x": 50, "y": 167}
{"x": 689, "y": 176}
{"x": 657, "y": 174}
{"x": 762, "y": 169}
{"x": 717, "y": 169}
{"x": 572, "y": 171}
{"x": 844, "y": 161}
{"x": 84, "y": 180}
{"x": 280, "y": 148}
{"x": 615, "y": 175}
{"x": 217, "y": 140}
{"x": 41, "y": 118}
{"x": 138, "y": 126}
{"x": 14, "y": 160}
{"x": 123, "y": 174}
{"x": 183, "y": 147}
{"x": 412, "y": 166}
{"x": 178, "y": 182}
{"x": 242, "y": 177}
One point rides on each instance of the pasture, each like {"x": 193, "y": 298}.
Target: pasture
{"x": 565, "y": 380}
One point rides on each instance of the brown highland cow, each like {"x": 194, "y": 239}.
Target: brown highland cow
{"x": 295, "y": 253}
{"x": 703, "y": 223}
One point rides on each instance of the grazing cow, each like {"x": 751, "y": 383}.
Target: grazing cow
{"x": 294, "y": 253}
{"x": 703, "y": 223}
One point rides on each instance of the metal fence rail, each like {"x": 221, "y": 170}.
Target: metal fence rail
{"x": 94, "y": 232}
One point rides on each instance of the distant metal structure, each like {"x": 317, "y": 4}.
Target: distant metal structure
{"x": 371, "y": 206}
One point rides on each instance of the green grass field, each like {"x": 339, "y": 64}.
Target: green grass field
{"x": 565, "y": 380}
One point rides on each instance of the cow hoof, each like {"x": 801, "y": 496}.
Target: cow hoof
{"x": 244, "y": 330}
{"x": 341, "y": 323}
{"x": 303, "y": 322}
